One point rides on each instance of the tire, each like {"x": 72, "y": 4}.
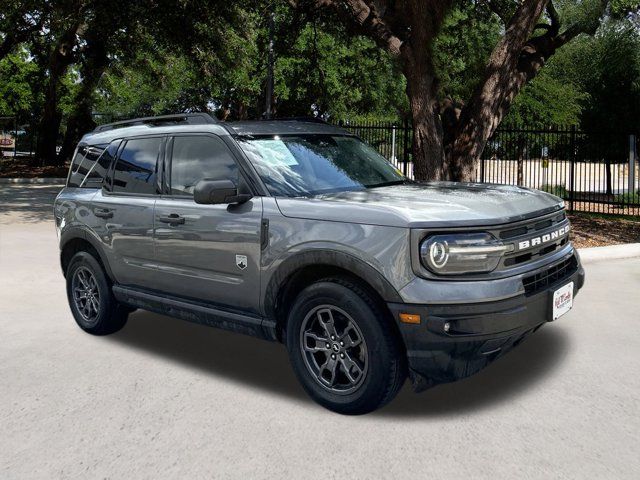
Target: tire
{"x": 91, "y": 300}
{"x": 363, "y": 336}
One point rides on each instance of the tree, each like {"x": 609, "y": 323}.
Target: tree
{"x": 57, "y": 47}
{"x": 19, "y": 21}
{"x": 16, "y": 95}
{"x": 408, "y": 30}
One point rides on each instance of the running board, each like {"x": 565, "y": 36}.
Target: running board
{"x": 197, "y": 312}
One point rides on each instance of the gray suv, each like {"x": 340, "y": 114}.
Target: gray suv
{"x": 296, "y": 231}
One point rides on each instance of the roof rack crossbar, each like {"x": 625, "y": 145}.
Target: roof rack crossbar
{"x": 199, "y": 118}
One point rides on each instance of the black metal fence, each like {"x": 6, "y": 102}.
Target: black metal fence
{"x": 393, "y": 140}
{"x": 592, "y": 172}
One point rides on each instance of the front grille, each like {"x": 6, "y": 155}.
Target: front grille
{"x": 540, "y": 281}
{"x": 529, "y": 230}
{"x": 533, "y": 227}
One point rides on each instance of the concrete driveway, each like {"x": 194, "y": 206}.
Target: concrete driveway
{"x": 168, "y": 399}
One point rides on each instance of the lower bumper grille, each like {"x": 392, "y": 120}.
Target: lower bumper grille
{"x": 538, "y": 282}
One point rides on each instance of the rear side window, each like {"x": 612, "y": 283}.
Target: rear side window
{"x": 96, "y": 176}
{"x": 198, "y": 157}
{"x": 90, "y": 165}
{"x": 137, "y": 166}
{"x": 83, "y": 162}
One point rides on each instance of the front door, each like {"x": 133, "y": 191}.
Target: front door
{"x": 209, "y": 253}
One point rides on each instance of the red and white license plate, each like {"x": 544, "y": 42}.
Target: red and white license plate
{"x": 562, "y": 300}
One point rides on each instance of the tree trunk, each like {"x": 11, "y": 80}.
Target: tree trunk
{"x": 422, "y": 89}
{"x": 510, "y": 67}
{"x": 80, "y": 121}
{"x": 49, "y": 126}
{"x": 428, "y": 153}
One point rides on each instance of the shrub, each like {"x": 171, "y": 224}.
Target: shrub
{"x": 557, "y": 190}
{"x": 628, "y": 198}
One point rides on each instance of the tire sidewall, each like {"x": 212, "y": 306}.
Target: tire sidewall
{"x": 379, "y": 354}
{"x": 86, "y": 260}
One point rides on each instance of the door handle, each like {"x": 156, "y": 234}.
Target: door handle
{"x": 173, "y": 219}
{"x": 103, "y": 213}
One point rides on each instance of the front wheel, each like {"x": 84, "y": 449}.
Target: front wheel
{"x": 343, "y": 349}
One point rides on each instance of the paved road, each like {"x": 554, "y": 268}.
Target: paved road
{"x": 169, "y": 399}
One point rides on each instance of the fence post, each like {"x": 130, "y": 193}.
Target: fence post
{"x": 406, "y": 147}
{"x": 15, "y": 137}
{"x": 572, "y": 168}
{"x": 394, "y": 159}
{"x": 633, "y": 155}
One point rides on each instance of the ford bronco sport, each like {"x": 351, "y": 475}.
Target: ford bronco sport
{"x": 296, "y": 231}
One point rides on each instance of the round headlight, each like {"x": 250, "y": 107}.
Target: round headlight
{"x": 454, "y": 254}
{"x": 439, "y": 254}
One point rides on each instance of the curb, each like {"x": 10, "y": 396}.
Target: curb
{"x": 611, "y": 252}
{"x": 32, "y": 181}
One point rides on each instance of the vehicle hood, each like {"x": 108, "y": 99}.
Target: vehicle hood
{"x": 425, "y": 205}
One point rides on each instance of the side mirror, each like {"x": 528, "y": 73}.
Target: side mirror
{"x": 215, "y": 192}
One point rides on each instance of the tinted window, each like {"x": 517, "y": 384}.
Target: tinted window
{"x": 83, "y": 162}
{"x": 136, "y": 168}
{"x": 98, "y": 172}
{"x": 197, "y": 157}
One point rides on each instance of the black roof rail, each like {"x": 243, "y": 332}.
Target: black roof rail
{"x": 199, "y": 118}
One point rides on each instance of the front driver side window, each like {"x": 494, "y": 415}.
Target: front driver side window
{"x": 197, "y": 157}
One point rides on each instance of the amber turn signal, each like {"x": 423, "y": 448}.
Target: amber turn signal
{"x": 409, "y": 318}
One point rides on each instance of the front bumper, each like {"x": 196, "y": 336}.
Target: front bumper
{"x": 478, "y": 333}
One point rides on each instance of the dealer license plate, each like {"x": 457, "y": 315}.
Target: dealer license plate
{"x": 562, "y": 300}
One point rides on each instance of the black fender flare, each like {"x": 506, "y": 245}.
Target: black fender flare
{"x": 74, "y": 233}
{"x": 327, "y": 258}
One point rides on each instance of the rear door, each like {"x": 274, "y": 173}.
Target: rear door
{"x": 124, "y": 209}
{"x": 209, "y": 253}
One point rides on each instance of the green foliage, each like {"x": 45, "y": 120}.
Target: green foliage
{"x": 318, "y": 71}
{"x": 611, "y": 77}
{"x": 327, "y": 73}
{"x": 210, "y": 55}
{"x": 17, "y": 97}
{"x": 151, "y": 84}
{"x": 622, "y": 7}
{"x": 593, "y": 81}
{"x": 606, "y": 69}
{"x": 546, "y": 101}
{"x": 463, "y": 48}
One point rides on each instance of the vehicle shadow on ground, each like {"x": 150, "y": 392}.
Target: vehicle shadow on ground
{"x": 246, "y": 360}
{"x": 28, "y": 203}
{"x": 510, "y": 376}
{"x": 264, "y": 365}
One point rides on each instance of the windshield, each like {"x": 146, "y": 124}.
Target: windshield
{"x": 302, "y": 165}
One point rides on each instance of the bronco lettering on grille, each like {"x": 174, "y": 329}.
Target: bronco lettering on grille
{"x": 542, "y": 239}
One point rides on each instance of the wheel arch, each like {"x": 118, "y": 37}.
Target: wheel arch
{"x": 303, "y": 269}
{"x": 77, "y": 240}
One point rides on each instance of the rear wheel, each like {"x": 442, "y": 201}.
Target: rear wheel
{"x": 343, "y": 349}
{"x": 92, "y": 303}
